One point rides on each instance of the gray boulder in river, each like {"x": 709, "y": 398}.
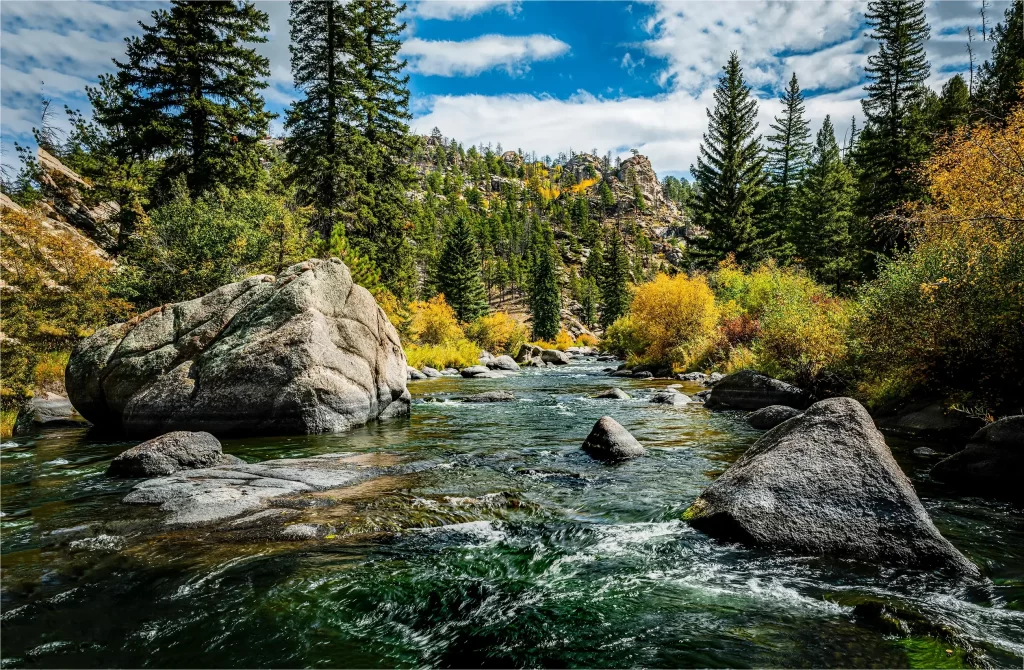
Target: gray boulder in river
{"x": 308, "y": 351}
{"x": 47, "y": 410}
{"x": 771, "y": 416}
{"x": 504, "y": 362}
{"x": 613, "y": 394}
{"x": 609, "y": 441}
{"x": 748, "y": 389}
{"x": 169, "y": 453}
{"x": 991, "y": 464}
{"x": 825, "y": 483}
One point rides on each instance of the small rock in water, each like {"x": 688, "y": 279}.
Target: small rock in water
{"x": 474, "y": 370}
{"x": 613, "y": 394}
{"x": 490, "y": 396}
{"x": 670, "y": 397}
{"x": 644, "y": 374}
{"x": 554, "y": 357}
{"x": 698, "y": 377}
{"x": 503, "y": 363}
{"x": 430, "y": 372}
{"x": 925, "y": 452}
{"x": 701, "y": 396}
{"x": 609, "y": 441}
{"x": 621, "y": 373}
{"x": 413, "y": 373}
{"x": 164, "y": 455}
{"x": 771, "y": 416}
{"x": 449, "y": 372}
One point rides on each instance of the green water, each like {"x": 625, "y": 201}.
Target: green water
{"x": 515, "y": 549}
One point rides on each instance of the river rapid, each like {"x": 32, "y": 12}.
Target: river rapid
{"x": 513, "y": 549}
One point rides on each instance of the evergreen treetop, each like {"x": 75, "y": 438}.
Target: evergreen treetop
{"x": 459, "y": 273}
{"x": 788, "y": 150}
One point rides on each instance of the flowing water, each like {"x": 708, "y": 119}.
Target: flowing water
{"x": 514, "y": 549}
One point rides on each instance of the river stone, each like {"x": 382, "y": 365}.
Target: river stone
{"x": 643, "y": 374}
{"x": 504, "y": 362}
{"x": 714, "y": 378}
{"x": 413, "y": 373}
{"x": 621, "y": 373}
{"x": 449, "y": 372}
{"x": 490, "y": 396}
{"x": 554, "y": 356}
{"x": 164, "y": 455}
{"x": 613, "y": 394}
{"x": 527, "y": 352}
{"x": 930, "y": 421}
{"x": 474, "y": 370}
{"x": 748, "y": 389}
{"x": 825, "y": 483}
{"x": 306, "y": 352}
{"x": 670, "y": 397}
{"x": 429, "y": 371}
{"x": 771, "y": 416}
{"x": 47, "y": 410}
{"x": 702, "y": 396}
{"x": 992, "y": 463}
{"x": 609, "y": 441}
{"x": 698, "y": 377}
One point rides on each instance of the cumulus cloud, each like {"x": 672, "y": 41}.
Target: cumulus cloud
{"x": 448, "y": 10}
{"x": 448, "y": 58}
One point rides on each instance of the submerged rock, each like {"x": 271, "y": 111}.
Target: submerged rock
{"x": 748, "y": 389}
{"x": 167, "y": 454}
{"x": 825, "y": 483}
{"x": 992, "y": 463}
{"x": 504, "y": 362}
{"x": 771, "y": 416}
{"x": 490, "y": 396}
{"x": 609, "y": 441}
{"x": 613, "y": 394}
{"x": 48, "y": 410}
{"x": 308, "y": 351}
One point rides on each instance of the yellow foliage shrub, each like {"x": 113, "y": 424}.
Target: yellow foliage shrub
{"x": 497, "y": 333}
{"x": 49, "y": 371}
{"x": 563, "y": 340}
{"x": 583, "y": 185}
{"x": 456, "y": 354}
{"x": 8, "y": 417}
{"x": 803, "y": 340}
{"x": 586, "y": 340}
{"x": 673, "y": 318}
{"x": 433, "y": 322}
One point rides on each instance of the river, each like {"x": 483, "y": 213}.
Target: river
{"x": 515, "y": 549}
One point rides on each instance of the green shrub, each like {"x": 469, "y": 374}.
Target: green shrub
{"x": 457, "y": 354}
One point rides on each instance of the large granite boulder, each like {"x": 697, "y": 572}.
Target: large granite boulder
{"x": 554, "y": 357}
{"x": 308, "y": 351}
{"x": 748, "y": 389}
{"x": 992, "y": 463}
{"x": 47, "y": 410}
{"x": 825, "y": 483}
{"x": 504, "y": 362}
{"x": 609, "y": 441}
{"x": 169, "y": 453}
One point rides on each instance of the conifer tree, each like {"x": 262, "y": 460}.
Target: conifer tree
{"x": 788, "y": 150}
{"x": 545, "y": 295}
{"x": 893, "y": 142}
{"x": 614, "y": 279}
{"x": 954, "y": 109}
{"x": 607, "y": 197}
{"x": 999, "y": 90}
{"x": 319, "y": 122}
{"x": 189, "y": 92}
{"x": 730, "y": 176}
{"x": 458, "y": 273}
{"x": 825, "y": 212}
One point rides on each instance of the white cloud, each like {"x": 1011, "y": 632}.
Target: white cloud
{"x": 447, "y": 10}
{"x": 471, "y": 57}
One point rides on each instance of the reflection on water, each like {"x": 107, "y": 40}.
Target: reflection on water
{"x": 516, "y": 550}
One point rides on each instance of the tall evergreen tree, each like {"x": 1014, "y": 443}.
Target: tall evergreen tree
{"x": 954, "y": 108}
{"x": 607, "y": 197}
{"x": 894, "y": 140}
{"x": 189, "y": 92}
{"x": 458, "y": 273}
{"x": 614, "y": 280}
{"x": 788, "y": 150}
{"x": 319, "y": 122}
{"x": 825, "y": 212}
{"x": 1001, "y": 77}
{"x": 730, "y": 176}
{"x": 545, "y": 295}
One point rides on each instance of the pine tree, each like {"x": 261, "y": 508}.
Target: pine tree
{"x": 999, "y": 90}
{"x": 788, "y": 151}
{"x": 825, "y": 212}
{"x": 614, "y": 280}
{"x": 607, "y": 197}
{"x": 319, "y": 122}
{"x": 458, "y": 273}
{"x": 545, "y": 296}
{"x": 730, "y": 176}
{"x": 893, "y": 142}
{"x": 954, "y": 108}
{"x": 189, "y": 92}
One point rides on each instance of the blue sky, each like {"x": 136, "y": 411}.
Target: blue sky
{"x": 536, "y": 75}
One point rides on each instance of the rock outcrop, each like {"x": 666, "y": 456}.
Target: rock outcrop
{"x": 748, "y": 389}
{"x": 609, "y": 441}
{"x": 771, "y": 416}
{"x": 992, "y": 463}
{"x": 169, "y": 453}
{"x": 48, "y": 410}
{"x": 308, "y": 351}
{"x": 825, "y": 483}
